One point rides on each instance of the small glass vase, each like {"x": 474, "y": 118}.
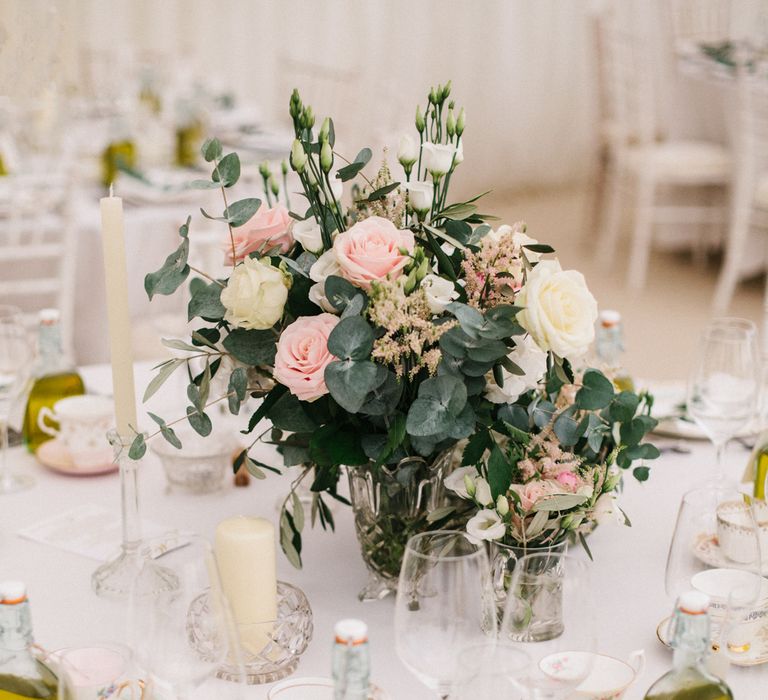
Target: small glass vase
{"x": 504, "y": 558}
{"x": 390, "y": 505}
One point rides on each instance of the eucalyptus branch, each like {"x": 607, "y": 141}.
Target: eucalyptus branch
{"x": 336, "y": 153}
{"x": 207, "y": 276}
{"x": 229, "y": 225}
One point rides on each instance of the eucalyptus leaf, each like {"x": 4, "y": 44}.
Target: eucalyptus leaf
{"x": 228, "y": 170}
{"x": 240, "y": 212}
{"x": 199, "y": 421}
{"x": 351, "y": 170}
{"x": 211, "y": 150}
{"x": 171, "y": 275}
{"x": 206, "y": 302}
{"x": 350, "y": 381}
{"x": 138, "y": 447}
{"x": 560, "y": 502}
{"x": 596, "y": 391}
{"x": 166, "y": 370}
{"x": 351, "y": 339}
{"x": 250, "y": 346}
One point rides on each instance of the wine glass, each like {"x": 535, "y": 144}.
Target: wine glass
{"x": 489, "y": 671}
{"x": 715, "y": 549}
{"x": 550, "y": 614}
{"x": 16, "y": 358}
{"x": 444, "y": 603}
{"x": 723, "y": 386}
{"x": 184, "y": 632}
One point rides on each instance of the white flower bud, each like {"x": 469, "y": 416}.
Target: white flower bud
{"x": 502, "y": 505}
{"x": 298, "y": 156}
{"x": 408, "y": 151}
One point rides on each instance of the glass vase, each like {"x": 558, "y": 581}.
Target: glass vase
{"x": 390, "y": 505}
{"x": 504, "y": 558}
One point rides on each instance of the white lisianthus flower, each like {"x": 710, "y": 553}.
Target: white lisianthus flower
{"x": 486, "y": 525}
{"x": 325, "y": 266}
{"x": 337, "y": 188}
{"x": 309, "y": 234}
{"x": 255, "y": 295}
{"x": 559, "y": 310}
{"x": 459, "y": 153}
{"x": 456, "y": 480}
{"x": 606, "y": 510}
{"x": 437, "y": 158}
{"x": 420, "y": 194}
{"x": 530, "y": 358}
{"x": 483, "y": 492}
{"x": 407, "y": 151}
{"x": 440, "y": 292}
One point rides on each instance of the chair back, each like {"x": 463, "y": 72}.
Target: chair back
{"x": 695, "y": 22}
{"x": 38, "y": 251}
{"x": 628, "y": 65}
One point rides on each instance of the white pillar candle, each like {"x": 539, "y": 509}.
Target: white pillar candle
{"x": 245, "y": 553}
{"x": 116, "y": 278}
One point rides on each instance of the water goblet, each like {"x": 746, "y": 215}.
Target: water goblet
{"x": 444, "y": 603}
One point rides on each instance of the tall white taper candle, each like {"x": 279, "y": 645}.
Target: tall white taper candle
{"x": 116, "y": 277}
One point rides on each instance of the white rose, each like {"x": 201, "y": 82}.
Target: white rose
{"x": 325, "y": 266}
{"x": 437, "y": 158}
{"x": 483, "y": 492}
{"x": 255, "y": 295}
{"x": 456, "y": 481}
{"x": 309, "y": 234}
{"x": 440, "y": 292}
{"x": 532, "y": 360}
{"x": 559, "y": 310}
{"x": 486, "y": 525}
{"x": 408, "y": 151}
{"x": 420, "y": 195}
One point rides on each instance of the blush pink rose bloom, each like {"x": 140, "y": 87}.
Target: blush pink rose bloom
{"x": 370, "y": 251}
{"x": 532, "y": 492}
{"x": 302, "y": 356}
{"x": 267, "y": 224}
{"x": 569, "y": 480}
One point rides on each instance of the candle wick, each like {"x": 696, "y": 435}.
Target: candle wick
{"x": 111, "y": 189}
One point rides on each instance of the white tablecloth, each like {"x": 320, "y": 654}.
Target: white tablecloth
{"x": 629, "y": 565}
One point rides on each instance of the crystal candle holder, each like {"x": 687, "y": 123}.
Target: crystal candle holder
{"x": 271, "y": 650}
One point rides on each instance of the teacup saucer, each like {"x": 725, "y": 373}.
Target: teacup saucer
{"x": 707, "y": 549}
{"x": 757, "y": 654}
{"x": 55, "y": 455}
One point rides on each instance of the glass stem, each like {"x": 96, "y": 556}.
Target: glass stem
{"x": 129, "y": 474}
{"x": 719, "y": 460}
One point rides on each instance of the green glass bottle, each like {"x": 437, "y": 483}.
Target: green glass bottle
{"x": 55, "y": 378}
{"x": 689, "y": 678}
{"x": 22, "y": 676}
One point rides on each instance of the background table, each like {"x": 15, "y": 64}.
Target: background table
{"x": 628, "y": 568}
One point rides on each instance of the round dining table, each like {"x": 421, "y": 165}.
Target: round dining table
{"x": 628, "y": 567}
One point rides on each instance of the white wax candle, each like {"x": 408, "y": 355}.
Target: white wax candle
{"x": 245, "y": 553}
{"x": 116, "y": 278}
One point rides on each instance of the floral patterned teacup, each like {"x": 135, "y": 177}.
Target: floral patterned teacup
{"x": 608, "y": 679}
{"x": 83, "y": 425}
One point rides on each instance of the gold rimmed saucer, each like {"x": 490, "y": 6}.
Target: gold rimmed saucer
{"x": 707, "y": 550}
{"x": 755, "y": 655}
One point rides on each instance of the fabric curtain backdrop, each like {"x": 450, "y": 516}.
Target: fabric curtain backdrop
{"x": 522, "y": 69}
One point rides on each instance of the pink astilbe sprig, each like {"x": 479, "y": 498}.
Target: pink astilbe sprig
{"x": 496, "y": 271}
{"x": 409, "y": 342}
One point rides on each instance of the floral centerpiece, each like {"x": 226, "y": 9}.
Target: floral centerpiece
{"x": 387, "y": 336}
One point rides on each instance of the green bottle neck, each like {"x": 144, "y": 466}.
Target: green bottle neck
{"x": 690, "y": 640}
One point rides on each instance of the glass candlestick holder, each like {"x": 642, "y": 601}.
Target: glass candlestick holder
{"x": 115, "y": 578}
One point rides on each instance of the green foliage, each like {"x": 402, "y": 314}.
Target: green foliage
{"x": 350, "y": 171}
{"x": 174, "y": 270}
{"x": 205, "y": 301}
{"x": 252, "y": 347}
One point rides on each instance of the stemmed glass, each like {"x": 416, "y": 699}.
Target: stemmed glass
{"x": 715, "y": 549}
{"x": 16, "y": 359}
{"x": 550, "y": 614}
{"x": 490, "y": 671}
{"x": 444, "y": 603}
{"x": 183, "y": 633}
{"x": 723, "y": 386}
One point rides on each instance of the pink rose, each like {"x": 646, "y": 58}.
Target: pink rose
{"x": 532, "y": 492}
{"x": 568, "y": 479}
{"x": 370, "y": 251}
{"x": 302, "y": 356}
{"x": 266, "y": 225}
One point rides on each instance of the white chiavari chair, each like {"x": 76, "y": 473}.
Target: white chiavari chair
{"x": 749, "y": 206}
{"x": 663, "y": 176}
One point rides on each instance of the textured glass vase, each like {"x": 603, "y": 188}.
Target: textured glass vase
{"x": 390, "y": 505}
